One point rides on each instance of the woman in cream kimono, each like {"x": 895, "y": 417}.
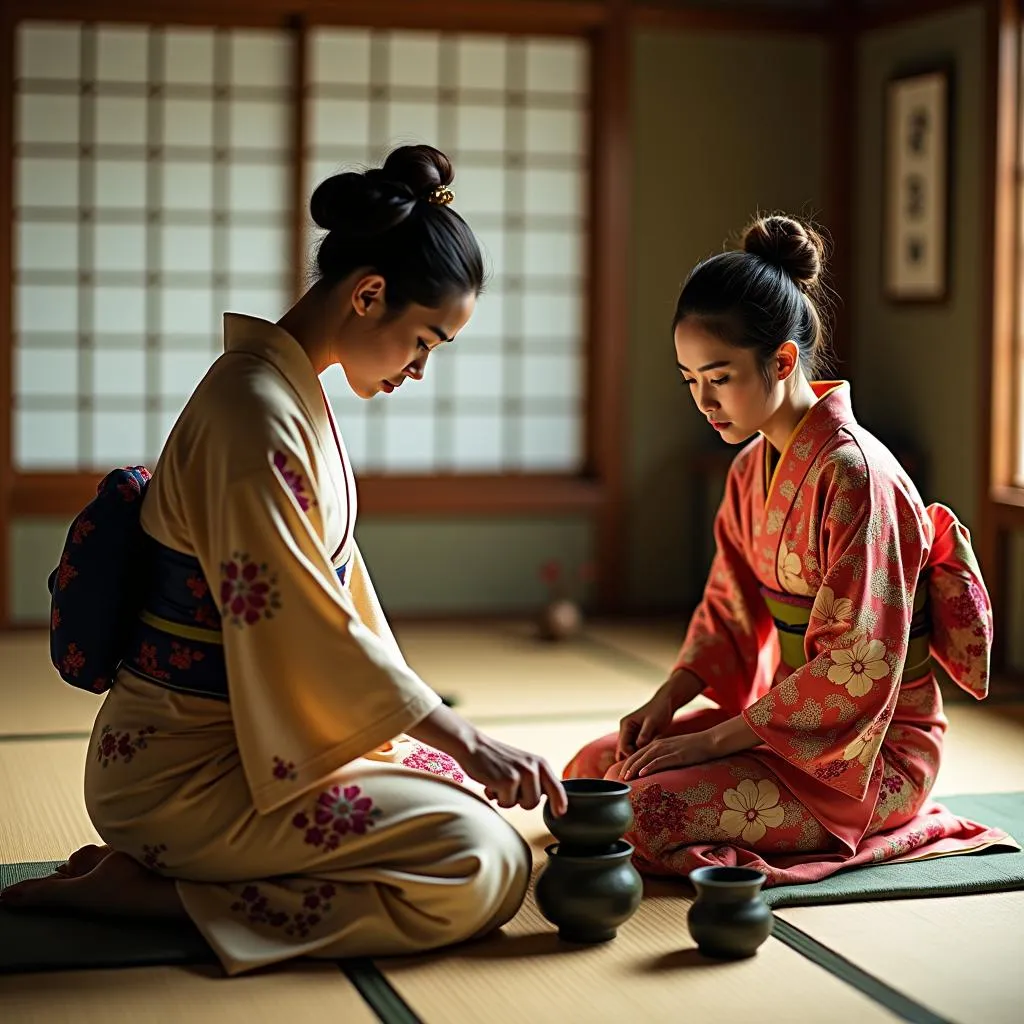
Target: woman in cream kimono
{"x": 832, "y": 589}
{"x": 266, "y": 763}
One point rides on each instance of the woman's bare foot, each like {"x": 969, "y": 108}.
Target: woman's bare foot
{"x": 82, "y": 861}
{"x": 117, "y": 885}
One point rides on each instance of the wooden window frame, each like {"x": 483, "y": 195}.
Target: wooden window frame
{"x": 1001, "y": 497}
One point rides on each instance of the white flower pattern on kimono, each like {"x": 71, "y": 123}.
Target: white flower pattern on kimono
{"x": 866, "y": 745}
{"x": 753, "y": 808}
{"x": 858, "y": 667}
{"x": 791, "y": 572}
{"x": 832, "y": 611}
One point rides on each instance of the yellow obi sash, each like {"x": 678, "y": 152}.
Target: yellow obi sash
{"x": 791, "y": 615}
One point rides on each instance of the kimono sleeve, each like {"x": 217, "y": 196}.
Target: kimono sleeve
{"x": 829, "y": 717}
{"x": 311, "y": 686}
{"x": 731, "y": 628}
{"x": 961, "y": 611}
{"x": 368, "y": 606}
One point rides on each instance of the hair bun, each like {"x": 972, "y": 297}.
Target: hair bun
{"x": 421, "y": 169}
{"x": 368, "y": 204}
{"x": 796, "y": 249}
{"x": 360, "y": 205}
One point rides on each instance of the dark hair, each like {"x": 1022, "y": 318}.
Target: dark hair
{"x": 394, "y": 220}
{"x": 768, "y": 292}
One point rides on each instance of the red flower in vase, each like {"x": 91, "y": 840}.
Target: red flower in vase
{"x": 551, "y": 571}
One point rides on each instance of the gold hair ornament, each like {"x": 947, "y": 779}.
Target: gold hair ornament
{"x": 441, "y": 196}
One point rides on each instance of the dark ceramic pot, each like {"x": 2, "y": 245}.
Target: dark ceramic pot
{"x": 729, "y": 919}
{"x": 600, "y": 812}
{"x": 589, "y": 897}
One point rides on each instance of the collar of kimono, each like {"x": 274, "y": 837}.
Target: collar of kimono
{"x": 831, "y": 412}
{"x": 275, "y": 345}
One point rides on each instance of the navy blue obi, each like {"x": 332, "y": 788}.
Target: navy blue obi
{"x": 121, "y": 599}
{"x": 178, "y": 640}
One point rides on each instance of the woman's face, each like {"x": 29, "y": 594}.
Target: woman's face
{"x": 725, "y": 381}
{"x": 383, "y": 352}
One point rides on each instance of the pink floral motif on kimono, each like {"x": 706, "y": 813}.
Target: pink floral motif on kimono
{"x": 294, "y": 480}
{"x": 73, "y": 660}
{"x": 247, "y": 591}
{"x": 151, "y": 857}
{"x": 338, "y": 811}
{"x": 183, "y": 657}
{"x": 83, "y": 527}
{"x": 121, "y": 745}
{"x": 148, "y": 662}
{"x": 316, "y": 902}
{"x": 66, "y": 572}
{"x": 426, "y": 759}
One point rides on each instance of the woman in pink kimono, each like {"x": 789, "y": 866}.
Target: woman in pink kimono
{"x": 265, "y": 761}
{"x": 832, "y": 590}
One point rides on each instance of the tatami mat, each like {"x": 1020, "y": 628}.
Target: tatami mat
{"x": 42, "y": 809}
{"x": 504, "y": 670}
{"x": 653, "y": 643}
{"x": 33, "y": 698}
{"x": 960, "y": 957}
{"x": 984, "y": 750}
{"x": 957, "y": 956}
{"x": 650, "y": 972}
{"x": 303, "y": 993}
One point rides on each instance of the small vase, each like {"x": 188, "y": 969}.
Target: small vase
{"x": 560, "y": 620}
{"x": 589, "y": 897}
{"x": 729, "y": 919}
{"x": 600, "y": 812}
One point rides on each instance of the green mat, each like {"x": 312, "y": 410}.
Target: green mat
{"x": 1000, "y": 870}
{"x": 49, "y": 942}
{"x": 60, "y": 942}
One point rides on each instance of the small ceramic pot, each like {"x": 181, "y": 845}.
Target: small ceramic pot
{"x": 599, "y": 813}
{"x": 729, "y": 919}
{"x": 588, "y": 898}
{"x": 560, "y": 620}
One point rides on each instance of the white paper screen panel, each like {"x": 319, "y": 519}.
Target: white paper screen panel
{"x": 511, "y": 112}
{"x": 151, "y": 194}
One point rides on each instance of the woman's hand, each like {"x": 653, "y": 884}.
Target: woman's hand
{"x": 671, "y": 752}
{"x": 653, "y": 719}
{"x": 649, "y": 721}
{"x": 509, "y": 775}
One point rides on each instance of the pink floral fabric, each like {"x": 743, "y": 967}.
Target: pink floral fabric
{"x": 248, "y": 591}
{"x": 339, "y": 810}
{"x": 427, "y": 759}
{"x": 123, "y": 746}
{"x": 295, "y": 481}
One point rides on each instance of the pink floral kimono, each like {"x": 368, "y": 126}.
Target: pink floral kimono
{"x": 832, "y": 592}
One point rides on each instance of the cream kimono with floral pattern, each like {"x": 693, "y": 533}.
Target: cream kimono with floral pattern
{"x": 296, "y": 815}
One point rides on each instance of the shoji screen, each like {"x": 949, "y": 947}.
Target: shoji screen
{"x": 512, "y": 113}
{"x": 153, "y": 192}
{"x": 151, "y": 195}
